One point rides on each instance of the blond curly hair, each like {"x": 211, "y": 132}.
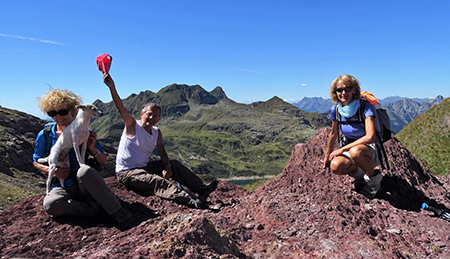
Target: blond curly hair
{"x": 56, "y": 97}
{"x": 347, "y": 80}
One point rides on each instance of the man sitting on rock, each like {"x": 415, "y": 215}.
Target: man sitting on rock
{"x": 134, "y": 168}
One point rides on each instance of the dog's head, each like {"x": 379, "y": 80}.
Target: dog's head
{"x": 89, "y": 110}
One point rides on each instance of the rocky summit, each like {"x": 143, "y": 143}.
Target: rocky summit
{"x": 305, "y": 212}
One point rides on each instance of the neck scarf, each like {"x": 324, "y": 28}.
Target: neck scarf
{"x": 348, "y": 110}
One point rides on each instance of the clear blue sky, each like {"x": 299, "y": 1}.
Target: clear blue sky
{"x": 254, "y": 50}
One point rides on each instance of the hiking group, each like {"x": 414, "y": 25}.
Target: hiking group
{"x": 83, "y": 192}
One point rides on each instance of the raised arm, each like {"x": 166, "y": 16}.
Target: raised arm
{"x": 129, "y": 121}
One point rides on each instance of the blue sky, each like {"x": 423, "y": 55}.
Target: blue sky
{"x": 254, "y": 50}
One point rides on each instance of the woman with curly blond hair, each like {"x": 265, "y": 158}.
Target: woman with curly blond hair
{"x": 357, "y": 155}
{"x": 84, "y": 192}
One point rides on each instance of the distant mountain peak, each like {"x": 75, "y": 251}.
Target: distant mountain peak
{"x": 219, "y": 93}
{"x": 275, "y": 99}
{"x": 191, "y": 93}
{"x": 314, "y": 104}
{"x": 312, "y": 98}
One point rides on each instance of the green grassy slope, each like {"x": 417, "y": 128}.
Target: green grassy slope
{"x": 428, "y": 138}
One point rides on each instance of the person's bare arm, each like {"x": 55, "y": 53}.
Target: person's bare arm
{"x": 129, "y": 121}
{"x": 99, "y": 156}
{"x": 41, "y": 167}
{"x": 60, "y": 172}
{"x": 167, "y": 172}
{"x": 330, "y": 144}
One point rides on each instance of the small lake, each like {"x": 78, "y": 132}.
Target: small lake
{"x": 243, "y": 181}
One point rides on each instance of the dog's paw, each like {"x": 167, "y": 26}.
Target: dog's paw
{"x": 43, "y": 160}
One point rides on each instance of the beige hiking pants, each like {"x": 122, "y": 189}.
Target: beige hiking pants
{"x": 149, "y": 181}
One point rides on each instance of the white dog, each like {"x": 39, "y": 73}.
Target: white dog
{"x": 76, "y": 134}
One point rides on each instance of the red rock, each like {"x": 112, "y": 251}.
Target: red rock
{"x": 424, "y": 239}
{"x": 305, "y": 212}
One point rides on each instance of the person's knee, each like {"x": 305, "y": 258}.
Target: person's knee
{"x": 355, "y": 152}
{"x": 175, "y": 163}
{"x": 52, "y": 206}
{"x": 340, "y": 166}
{"x": 85, "y": 171}
{"x": 336, "y": 166}
{"x": 122, "y": 177}
{"x": 360, "y": 152}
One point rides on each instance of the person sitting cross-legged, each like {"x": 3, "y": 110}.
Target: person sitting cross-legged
{"x": 84, "y": 193}
{"x": 162, "y": 178}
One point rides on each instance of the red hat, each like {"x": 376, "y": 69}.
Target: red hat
{"x": 104, "y": 63}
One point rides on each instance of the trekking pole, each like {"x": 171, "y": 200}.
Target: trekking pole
{"x": 179, "y": 186}
{"x": 437, "y": 212}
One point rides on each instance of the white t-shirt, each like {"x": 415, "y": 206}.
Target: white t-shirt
{"x": 134, "y": 152}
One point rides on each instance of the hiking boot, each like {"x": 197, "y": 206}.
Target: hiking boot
{"x": 373, "y": 185}
{"x": 359, "y": 179}
{"x": 359, "y": 184}
{"x": 206, "y": 189}
{"x": 124, "y": 218}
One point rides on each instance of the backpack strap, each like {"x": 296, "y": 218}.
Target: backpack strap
{"x": 48, "y": 139}
{"x": 339, "y": 121}
{"x": 382, "y": 151}
{"x": 361, "y": 115}
{"x": 361, "y": 118}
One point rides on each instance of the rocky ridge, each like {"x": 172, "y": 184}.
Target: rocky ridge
{"x": 404, "y": 111}
{"x": 305, "y": 212}
{"x": 19, "y": 179}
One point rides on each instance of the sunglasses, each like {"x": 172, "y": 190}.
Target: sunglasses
{"x": 62, "y": 112}
{"x": 340, "y": 90}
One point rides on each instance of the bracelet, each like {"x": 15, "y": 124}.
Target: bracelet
{"x": 96, "y": 154}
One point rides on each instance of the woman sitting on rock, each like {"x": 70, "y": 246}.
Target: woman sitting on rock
{"x": 84, "y": 192}
{"x": 357, "y": 155}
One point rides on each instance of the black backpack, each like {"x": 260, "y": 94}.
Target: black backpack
{"x": 382, "y": 127}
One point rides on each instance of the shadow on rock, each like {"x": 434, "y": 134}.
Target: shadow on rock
{"x": 139, "y": 211}
{"x": 400, "y": 194}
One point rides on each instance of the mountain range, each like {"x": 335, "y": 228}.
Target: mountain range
{"x": 401, "y": 110}
{"x": 214, "y": 135}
